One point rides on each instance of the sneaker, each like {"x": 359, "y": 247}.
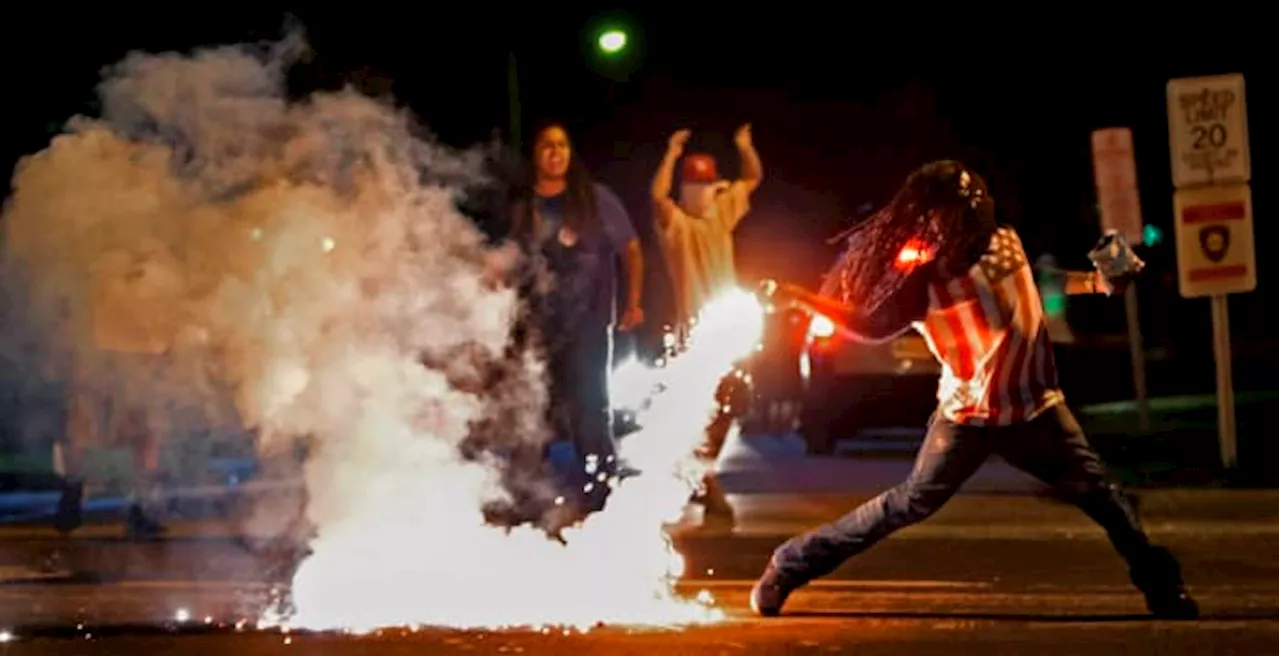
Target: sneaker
{"x": 1159, "y": 577}
{"x": 70, "y": 516}
{"x": 770, "y": 593}
{"x": 1174, "y": 603}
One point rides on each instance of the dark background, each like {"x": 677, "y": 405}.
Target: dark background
{"x": 844, "y": 102}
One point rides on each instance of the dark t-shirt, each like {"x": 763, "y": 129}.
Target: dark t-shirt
{"x": 586, "y": 272}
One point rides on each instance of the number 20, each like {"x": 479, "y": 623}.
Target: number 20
{"x": 1214, "y": 136}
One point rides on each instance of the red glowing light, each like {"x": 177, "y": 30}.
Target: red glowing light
{"x": 914, "y": 254}
{"x": 822, "y": 327}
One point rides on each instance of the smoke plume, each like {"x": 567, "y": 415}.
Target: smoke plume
{"x": 299, "y": 268}
{"x": 304, "y": 259}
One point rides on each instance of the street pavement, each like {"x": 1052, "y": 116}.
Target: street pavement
{"x": 990, "y": 573}
{"x": 1002, "y": 568}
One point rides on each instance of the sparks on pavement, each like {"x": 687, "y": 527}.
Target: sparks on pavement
{"x": 617, "y": 567}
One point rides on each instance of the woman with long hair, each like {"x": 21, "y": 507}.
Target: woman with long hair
{"x": 575, "y": 231}
{"x": 936, "y": 259}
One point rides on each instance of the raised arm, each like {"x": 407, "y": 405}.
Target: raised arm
{"x": 752, "y": 168}
{"x": 736, "y": 201}
{"x": 664, "y": 208}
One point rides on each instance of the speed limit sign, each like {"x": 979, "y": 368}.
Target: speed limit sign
{"x": 1208, "y": 133}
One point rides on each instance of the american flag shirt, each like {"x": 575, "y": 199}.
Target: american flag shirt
{"x": 988, "y": 331}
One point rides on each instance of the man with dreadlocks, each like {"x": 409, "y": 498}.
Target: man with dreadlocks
{"x": 935, "y": 259}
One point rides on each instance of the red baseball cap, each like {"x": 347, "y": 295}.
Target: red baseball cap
{"x": 699, "y": 167}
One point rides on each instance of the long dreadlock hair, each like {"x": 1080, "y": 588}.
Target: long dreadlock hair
{"x": 943, "y": 209}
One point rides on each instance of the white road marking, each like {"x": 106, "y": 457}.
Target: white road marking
{"x": 15, "y": 574}
{"x": 1013, "y": 531}
{"x": 841, "y": 583}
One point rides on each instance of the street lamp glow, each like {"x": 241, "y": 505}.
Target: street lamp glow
{"x": 612, "y": 41}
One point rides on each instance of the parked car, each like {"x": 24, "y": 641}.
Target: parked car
{"x": 775, "y": 398}
{"x": 808, "y": 379}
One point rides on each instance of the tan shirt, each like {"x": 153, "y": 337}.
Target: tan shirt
{"x": 699, "y": 250}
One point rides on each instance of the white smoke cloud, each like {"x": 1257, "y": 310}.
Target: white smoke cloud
{"x": 291, "y": 247}
{"x": 308, "y": 257}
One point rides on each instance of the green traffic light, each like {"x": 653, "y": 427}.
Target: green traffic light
{"x": 612, "y": 42}
{"x": 1151, "y": 235}
{"x": 1051, "y": 293}
{"x": 1055, "y": 305}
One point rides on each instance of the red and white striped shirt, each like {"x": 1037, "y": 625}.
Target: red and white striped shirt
{"x": 988, "y": 331}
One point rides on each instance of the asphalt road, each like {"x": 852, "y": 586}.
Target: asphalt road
{"x": 989, "y": 574}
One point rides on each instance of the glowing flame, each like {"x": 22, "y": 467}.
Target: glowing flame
{"x": 438, "y": 564}
{"x": 729, "y": 327}
{"x": 821, "y": 327}
{"x": 632, "y": 385}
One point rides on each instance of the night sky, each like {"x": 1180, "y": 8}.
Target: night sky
{"x": 844, "y": 103}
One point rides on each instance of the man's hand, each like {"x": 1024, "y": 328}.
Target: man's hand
{"x": 1098, "y": 283}
{"x": 631, "y": 318}
{"x": 1113, "y": 286}
{"x": 499, "y": 266}
{"x": 678, "y": 140}
{"x": 743, "y": 136}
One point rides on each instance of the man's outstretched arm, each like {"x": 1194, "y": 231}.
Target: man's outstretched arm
{"x": 890, "y": 320}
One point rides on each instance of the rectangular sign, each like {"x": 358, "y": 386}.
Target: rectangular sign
{"x": 1116, "y": 178}
{"x": 1113, "y": 166}
{"x": 1214, "y": 231}
{"x": 1208, "y": 132}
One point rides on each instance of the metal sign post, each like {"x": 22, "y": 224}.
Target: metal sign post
{"x": 1116, "y": 177}
{"x": 1225, "y": 384}
{"x": 1137, "y": 358}
{"x": 1213, "y": 214}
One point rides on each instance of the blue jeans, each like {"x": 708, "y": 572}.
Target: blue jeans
{"x": 1052, "y": 447}
{"x": 579, "y": 367}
